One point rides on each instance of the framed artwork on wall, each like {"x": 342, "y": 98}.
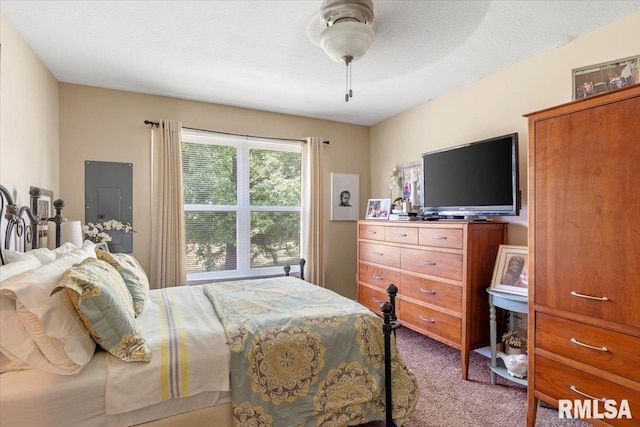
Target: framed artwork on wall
{"x": 605, "y": 77}
{"x": 378, "y": 209}
{"x": 345, "y": 196}
{"x": 411, "y": 182}
{"x": 45, "y": 210}
{"x": 510, "y": 272}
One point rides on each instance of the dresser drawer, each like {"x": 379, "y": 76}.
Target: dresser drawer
{"x": 380, "y": 254}
{"x": 434, "y": 263}
{"x": 429, "y": 320}
{"x": 373, "y": 232}
{"x": 401, "y": 235}
{"x": 432, "y": 292}
{"x": 570, "y": 339}
{"x": 372, "y": 298}
{"x": 377, "y": 276}
{"x": 556, "y": 380}
{"x": 441, "y": 237}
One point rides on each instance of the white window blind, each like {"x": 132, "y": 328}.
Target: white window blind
{"x": 242, "y": 205}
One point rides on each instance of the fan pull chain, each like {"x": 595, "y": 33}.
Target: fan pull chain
{"x": 348, "y": 92}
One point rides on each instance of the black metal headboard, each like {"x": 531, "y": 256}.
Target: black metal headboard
{"x": 22, "y": 222}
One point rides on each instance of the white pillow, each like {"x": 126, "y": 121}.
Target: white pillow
{"x": 51, "y": 322}
{"x": 43, "y": 255}
{"x": 27, "y": 263}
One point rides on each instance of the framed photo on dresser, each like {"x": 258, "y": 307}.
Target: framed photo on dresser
{"x": 510, "y": 272}
{"x": 378, "y": 209}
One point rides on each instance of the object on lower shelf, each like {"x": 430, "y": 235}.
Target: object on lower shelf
{"x": 516, "y": 364}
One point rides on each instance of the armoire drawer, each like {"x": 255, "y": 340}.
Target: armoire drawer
{"x": 432, "y": 292}
{"x": 441, "y": 264}
{"x": 441, "y": 237}
{"x": 563, "y": 382}
{"x": 604, "y": 349}
{"x": 373, "y": 232}
{"x": 406, "y": 235}
{"x": 380, "y": 254}
{"x": 372, "y": 298}
{"x": 377, "y": 276}
{"x": 429, "y": 320}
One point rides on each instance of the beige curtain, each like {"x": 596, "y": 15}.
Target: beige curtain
{"x": 168, "y": 246}
{"x": 312, "y": 210}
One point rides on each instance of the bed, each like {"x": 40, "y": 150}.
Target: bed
{"x": 274, "y": 351}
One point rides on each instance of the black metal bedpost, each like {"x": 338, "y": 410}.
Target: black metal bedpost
{"x": 35, "y": 194}
{"x": 302, "y": 263}
{"x": 387, "y": 327}
{"x": 58, "y": 219}
{"x": 392, "y": 291}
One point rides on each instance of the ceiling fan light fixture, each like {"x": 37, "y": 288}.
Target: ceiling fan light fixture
{"x": 346, "y": 39}
{"x": 348, "y": 33}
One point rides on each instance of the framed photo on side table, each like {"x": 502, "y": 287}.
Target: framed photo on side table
{"x": 510, "y": 272}
{"x": 378, "y": 209}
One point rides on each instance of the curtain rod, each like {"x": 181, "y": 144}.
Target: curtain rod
{"x": 157, "y": 124}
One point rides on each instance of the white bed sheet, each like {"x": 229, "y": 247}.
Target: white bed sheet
{"x": 36, "y": 398}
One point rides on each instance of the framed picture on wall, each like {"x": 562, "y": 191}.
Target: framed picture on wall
{"x": 510, "y": 271}
{"x": 411, "y": 182}
{"x": 605, "y": 77}
{"x": 378, "y": 209}
{"x": 345, "y": 196}
{"x": 45, "y": 210}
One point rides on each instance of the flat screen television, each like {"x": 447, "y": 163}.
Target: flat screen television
{"x": 472, "y": 181}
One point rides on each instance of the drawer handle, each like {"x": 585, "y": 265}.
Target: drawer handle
{"x": 427, "y": 320}
{"x": 377, "y": 300}
{"x": 401, "y": 235}
{"x": 378, "y": 253}
{"x": 372, "y": 232}
{"x": 575, "y": 294}
{"x": 438, "y": 237}
{"x": 427, "y": 291}
{"x": 573, "y": 388}
{"x": 575, "y": 341}
{"x": 378, "y": 277}
{"x": 427, "y": 263}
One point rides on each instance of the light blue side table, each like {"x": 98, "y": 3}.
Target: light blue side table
{"x": 514, "y": 304}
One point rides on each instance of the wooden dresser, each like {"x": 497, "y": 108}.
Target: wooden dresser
{"x": 584, "y": 254}
{"x": 441, "y": 269}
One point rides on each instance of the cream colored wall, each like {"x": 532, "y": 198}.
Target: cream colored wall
{"x": 28, "y": 118}
{"x": 494, "y": 106}
{"x": 107, "y": 125}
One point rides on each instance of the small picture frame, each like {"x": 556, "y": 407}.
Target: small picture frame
{"x": 510, "y": 272}
{"x": 102, "y": 246}
{"x": 605, "y": 77}
{"x": 378, "y": 209}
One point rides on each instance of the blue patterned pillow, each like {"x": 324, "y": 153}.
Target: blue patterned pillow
{"x": 133, "y": 275}
{"x": 104, "y": 304}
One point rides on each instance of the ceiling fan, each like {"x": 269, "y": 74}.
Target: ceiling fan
{"x": 347, "y": 34}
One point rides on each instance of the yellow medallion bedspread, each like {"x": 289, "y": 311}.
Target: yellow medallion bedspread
{"x": 302, "y": 355}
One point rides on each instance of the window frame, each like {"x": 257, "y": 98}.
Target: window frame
{"x": 242, "y": 208}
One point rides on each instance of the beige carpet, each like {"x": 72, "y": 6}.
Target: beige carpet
{"x": 448, "y": 401}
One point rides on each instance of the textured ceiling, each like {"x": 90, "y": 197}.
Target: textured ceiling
{"x": 264, "y": 54}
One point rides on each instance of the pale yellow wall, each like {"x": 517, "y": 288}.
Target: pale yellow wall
{"x": 28, "y": 118}
{"x": 107, "y": 125}
{"x": 494, "y": 106}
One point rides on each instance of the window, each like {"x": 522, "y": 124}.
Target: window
{"x": 242, "y": 205}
